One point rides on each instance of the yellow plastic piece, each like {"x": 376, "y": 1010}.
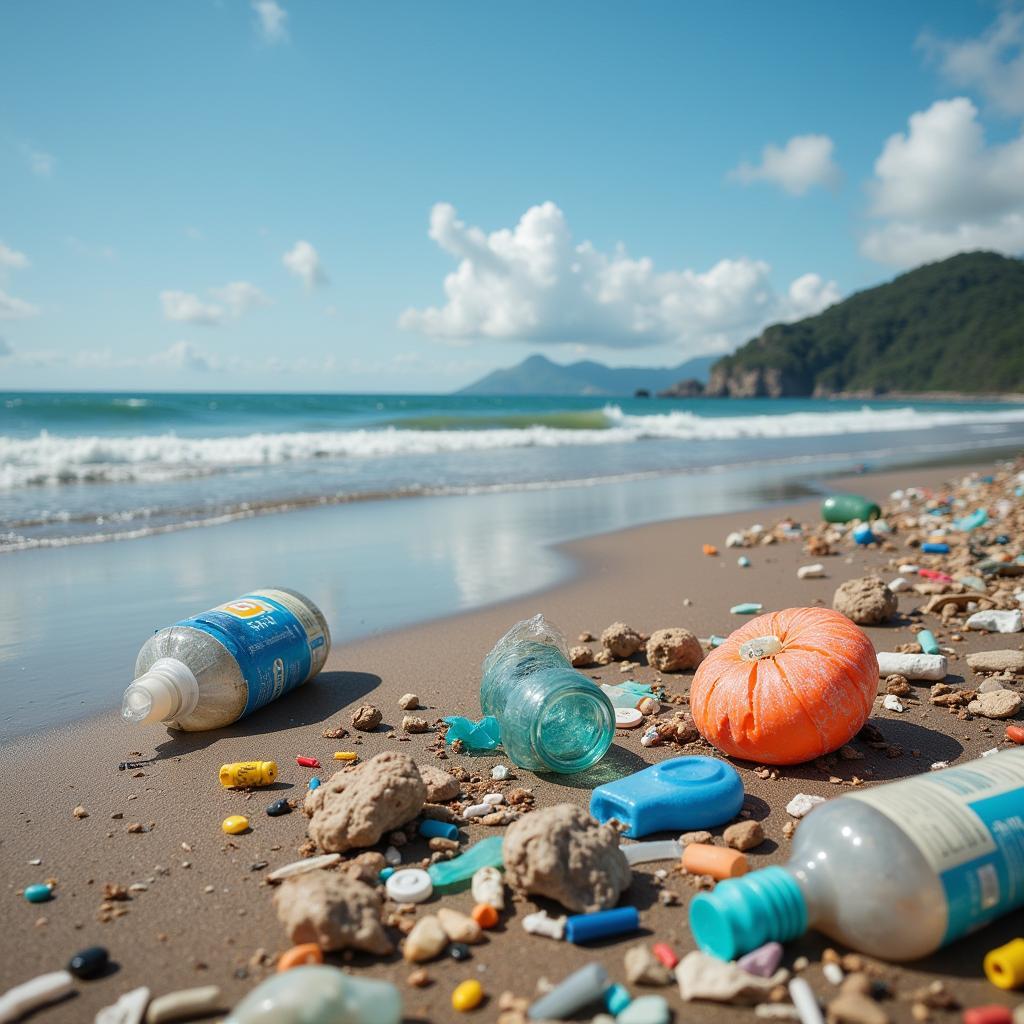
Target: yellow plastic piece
{"x": 235, "y": 824}
{"x": 248, "y": 773}
{"x": 468, "y": 996}
{"x": 345, "y": 755}
{"x": 1004, "y": 965}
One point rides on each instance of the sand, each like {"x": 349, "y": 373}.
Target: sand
{"x": 206, "y": 910}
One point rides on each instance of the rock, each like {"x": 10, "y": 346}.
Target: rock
{"x": 410, "y": 723}
{"x": 357, "y": 806}
{"x": 696, "y": 837}
{"x": 991, "y": 684}
{"x": 850, "y": 1008}
{"x": 561, "y": 852}
{"x": 189, "y": 1003}
{"x": 997, "y": 661}
{"x": 898, "y": 686}
{"x": 802, "y": 804}
{"x": 603, "y": 657}
{"x": 621, "y": 641}
{"x": 996, "y": 704}
{"x": 645, "y": 1010}
{"x": 580, "y": 657}
{"x": 706, "y": 977}
{"x": 408, "y": 702}
{"x": 744, "y": 835}
{"x": 333, "y": 910}
{"x": 866, "y": 601}
{"x": 80, "y": 812}
{"x": 366, "y": 717}
{"x": 426, "y": 940}
{"x": 893, "y": 703}
{"x": 649, "y": 706}
{"x": 459, "y": 927}
{"x": 366, "y": 867}
{"x": 674, "y": 650}
{"x": 763, "y": 961}
{"x": 997, "y": 621}
{"x": 441, "y": 786}
{"x": 643, "y": 968}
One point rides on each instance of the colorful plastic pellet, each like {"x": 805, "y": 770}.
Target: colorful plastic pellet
{"x": 430, "y": 829}
{"x": 346, "y": 755}
{"x": 314, "y": 783}
{"x": 987, "y": 1015}
{"x": 235, "y": 824}
{"x": 240, "y": 774}
{"x": 716, "y": 861}
{"x": 665, "y": 954}
{"x": 485, "y": 915}
{"x": 38, "y": 893}
{"x": 1004, "y": 966}
{"x": 468, "y": 996}
{"x": 307, "y": 762}
{"x": 601, "y": 925}
{"x": 299, "y": 956}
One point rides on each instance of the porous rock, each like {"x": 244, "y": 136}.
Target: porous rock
{"x": 866, "y": 601}
{"x": 581, "y": 656}
{"x": 996, "y": 704}
{"x": 674, "y": 650}
{"x": 851, "y": 1008}
{"x": 367, "y": 717}
{"x": 997, "y": 661}
{"x": 412, "y": 723}
{"x": 621, "y": 641}
{"x": 357, "y": 806}
{"x": 744, "y": 835}
{"x": 440, "y": 785}
{"x": 561, "y": 852}
{"x": 332, "y": 909}
{"x": 701, "y": 976}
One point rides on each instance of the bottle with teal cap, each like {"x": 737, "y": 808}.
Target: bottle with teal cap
{"x": 844, "y": 508}
{"x": 895, "y": 871}
{"x": 552, "y": 718}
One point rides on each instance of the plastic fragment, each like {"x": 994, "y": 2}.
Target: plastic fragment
{"x": 467, "y": 996}
{"x": 235, "y": 824}
{"x": 580, "y": 989}
{"x": 650, "y": 1009}
{"x": 486, "y": 853}
{"x": 279, "y": 807}
{"x": 802, "y": 804}
{"x": 240, "y": 774}
{"x": 299, "y": 956}
{"x": 933, "y": 548}
{"x": 660, "y": 849}
{"x": 810, "y": 572}
{"x": 863, "y": 534}
{"x": 432, "y": 829}
{"x": 393, "y": 856}
{"x": 482, "y": 735}
{"x": 892, "y": 703}
{"x": 300, "y": 867}
{"x": 410, "y": 885}
{"x": 665, "y": 954}
{"x": 1004, "y": 966}
{"x": 717, "y": 861}
{"x": 499, "y": 772}
{"x": 913, "y": 666}
{"x": 715, "y": 640}
{"x": 473, "y": 811}
{"x": 307, "y": 762}
{"x": 763, "y": 961}
{"x": 47, "y": 988}
{"x": 926, "y": 638}
{"x": 616, "y": 999}
{"x": 805, "y": 1002}
{"x": 628, "y": 718}
{"x": 541, "y": 923}
{"x": 743, "y": 562}
{"x": 601, "y": 925}
{"x": 185, "y": 1004}
{"x": 701, "y": 976}
{"x": 992, "y": 1014}
{"x": 346, "y": 755}
{"x": 747, "y": 608}
{"x": 129, "y": 1008}
{"x": 314, "y": 783}
{"x": 898, "y": 585}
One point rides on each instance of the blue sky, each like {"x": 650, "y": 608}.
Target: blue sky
{"x": 225, "y": 194}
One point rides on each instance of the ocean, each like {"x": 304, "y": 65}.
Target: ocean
{"x": 82, "y": 468}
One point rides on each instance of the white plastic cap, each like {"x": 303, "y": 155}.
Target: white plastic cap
{"x": 168, "y": 690}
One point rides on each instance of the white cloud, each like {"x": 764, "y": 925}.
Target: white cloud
{"x": 235, "y": 298}
{"x": 304, "y": 261}
{"x": 271, "y": 20}
{"x": 12, "y": 259}
{"x": 804, "y": 161}
{"x": 993, "y": 63}
{"x": 184, "y": 355}
{"x": 941, "y": 189}
{"x": 15, "y": 309}
{"x": 41, "y": 164}
{"x": 533, "y": 283}
{"x": 5, "y": 348}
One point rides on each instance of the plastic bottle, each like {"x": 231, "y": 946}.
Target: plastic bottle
{"x": 895, "y": 871}
{"x": 552, "y": 717}
{"x": 212, "y": 669}
{"x": 842, "y": 508}
{"x": 319, "y": 994}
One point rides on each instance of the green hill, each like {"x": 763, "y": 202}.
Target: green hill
{"x": 955, "y": 326}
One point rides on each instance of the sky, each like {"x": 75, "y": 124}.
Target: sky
{"x": 308, "y": 195}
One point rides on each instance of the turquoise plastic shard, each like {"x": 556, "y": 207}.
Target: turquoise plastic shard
{"x": 482, "y": 735}
{"x": 485, "y": 854}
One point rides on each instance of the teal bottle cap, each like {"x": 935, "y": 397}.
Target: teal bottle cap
{"x": 741, "y": 914}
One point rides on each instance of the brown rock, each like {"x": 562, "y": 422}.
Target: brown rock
{"x": 333, "y": 910}
{"x": 997, "y": 704}
{"x": 357, "y": 806}
{"x": 744, "y": 835}
{"x": 581, "y": 656}
{"x": 696, "y": 837}
{"x": 898, "y": 686}
{"x": 459, "y": 927}
{"x": 440, "y": 785}
{"x": 866, "y": 601}
{"x": 603, "y": 657}
{"x": 408, "y": 702}
{"x": 410, "y": 723}
{"x": 621, "y": 641}
{"x": 561, "y": 852}
{"x": 426, "y": 941}
{"x": 851, "y": 1008}
{"x": 679, "y": 728}
{"x": 366, "y": 717}
{"x": 997, "y": 661}
{"x": 674, "y": 650}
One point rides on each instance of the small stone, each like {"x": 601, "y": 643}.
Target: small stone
{"x": 704, "y": 838}
{"x": 850, "y": 1008}
{"x": 499, "y": 772}
{"x": 581, "y": 657}
{"x": 997, "y": 661}
{"x": 410, "y": 723}
{"x": 459, "y": 927}
{"x": 419, "y": 978}
{"x": 898, "y": 685}
{"x": 744, "y": 835}
{"x": 621, "y": 641}
{"x": 802, "y": 804}
{"x": 866, "y": 601}
{"x": 187, "y": 1004}
{"x": 80, "y": 812}
{"x": 409, "y": 702}
{"x": 643, "y": 968}
{"x": 89, "y": 963}
{"x": 674, "y": 650}
{"x": 848, "y": 753}
{"x": 459, "y": 951}
{"x": 129, "y": 1008}
{"x": 367, "y": 717}
{"x": 649, "y": 706}
{"x": 997, "y": 704}
{"x": 426, "y": 940}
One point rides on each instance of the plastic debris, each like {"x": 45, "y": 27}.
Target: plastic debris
{"x": 129, "y": 1008}
{"x": 979, "y": 517}
{"x": 743, "y": 562}
{"x": 997, "y": 621}
{"x": 243, "y": 774}
{"x": 992, "y": 1014}
{"x": 601, "y": 925}
{"x": 844, "y": 508}
{"x": 346, "y": 755}
{"x": 467, "y": 996}
{"x": 866, "y": 601}
{"x": 300, "y": 956}
{"x": 488, "y": 887}
{"x": 29, "y": 995}
{"x": 651, "y": 737}
{"x": 580, "y": 989}
{"x": 482, "y": 735}
{"x": 410, "y": 885}
{"x": 933, "y": 548}
{"x": 926, "y": 638}
{"x": 644, "y": 968}
{"x": 279, "y": 807}
{"x": 235, "y": 824}
{"x": 541, "y": 923}
{"x": 486, "y": 853}
{"x": 628, "y": 718}
{"x": 913, "y": 666}
{"x": 485, "y": 915}
{"x": 187, "y": 1004}
{"x": 805, "y": 1001}
{"x": 307, "y": 762}
{"x": 648, "y": 1009}
{"x": 709, "y": 549}
{"x": 38, "y": 893}
{"x": 644, "y": 853}
{"x": 300, "y": 867}
{"x": 499, "y": 772}
{"x": 763, "y": 961}
{"x": 717, "y": 861}
{"x": 706, "y": 977}
{"x": 747, "y": 608}
{"x": 832, "y": 972}
{"x": 810, "y": 572}
{"x": 863, "y": 535}
{"x": 803, "y": 803}
{"x": 431, "y": 829}
{"x": 616, "y": 999}
{"x": 666, "y": 954}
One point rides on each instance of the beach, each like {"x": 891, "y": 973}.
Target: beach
{"x": 202, "y": 913}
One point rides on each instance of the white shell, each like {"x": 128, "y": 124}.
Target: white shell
{"x": 627, "y": 718}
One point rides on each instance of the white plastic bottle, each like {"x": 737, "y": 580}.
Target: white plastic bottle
{"x": 212, "y": 669}
{"x": 895, "y": 871}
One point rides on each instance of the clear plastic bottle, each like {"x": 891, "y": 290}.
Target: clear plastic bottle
{"x": 552, "y": 717}
{"x": 212, "y": 669}
{"x": 895, "y": 871}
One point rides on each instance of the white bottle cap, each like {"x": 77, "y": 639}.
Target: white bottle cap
{"x": 411, "y": 885}
{"x": 167, "y": 691}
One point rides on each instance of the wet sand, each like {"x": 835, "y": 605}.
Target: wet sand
{"x": 206, "y": 910}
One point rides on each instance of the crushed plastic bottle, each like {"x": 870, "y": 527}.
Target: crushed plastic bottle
{"x": 319, "y": 994}
{"x": 482, "y": 735}
{"x": 552, "y": 718}
{"x": 212, "y": 669}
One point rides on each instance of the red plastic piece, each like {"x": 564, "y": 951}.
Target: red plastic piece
{"x": 934, "y": 574}
{"x": 1015, "y": 734}
{"x": 307, "y": 762}
{"x": 666, "y": 954}
{"x": 988, "y": 1015}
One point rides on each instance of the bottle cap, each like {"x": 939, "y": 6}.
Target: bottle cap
{"x": 741, "y": 914}
{"x": 166, "y": 691}
{"x": 627, "y": 718}
{"x": 1004, "y": 966}
{"x": 412, "y": 885}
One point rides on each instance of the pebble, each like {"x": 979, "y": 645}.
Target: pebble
{"x": 996, "y": 704}
{"x": 802, "y": 804}
{"x": 38, "y": 893}
{"x": 46, "y": 988}
{"x": 744, "y": 835}
{"x": 997, "y": 621}
{"x": 129, "y": 1009}
{"x": 459, "y": 927}
{"x": 645, "y": 1010}
{"x": 467, "y": 996}
{"x": 833, "y": 973}
{"x": 476, "y": 811}
{"x": 851, "y": 1008}
{"x": 494, "y": 799}
{"x": 763, "y": 961}
{"x": 893, "y": 703}
{"x": 300, "y": 867}
{"x": 743, "y": 562}
{"x": 235, "y": 824}
{"x": 805, "y": 1001}
{"x": 992, "y": 1014}
{"x": 499, "y": 772}
{"x": 459, "y": 951}
{"x": 810, "y": 572}
{"x": 408, "y": 702}
{"x": 426, "y": 940}
{"x": 187, "y": 1003}
{"x": 279, "y": 807}
{"x": 89, "y": 963}
{"x": 392, "y": 856}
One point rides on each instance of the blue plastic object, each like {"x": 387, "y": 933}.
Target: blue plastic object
{"x": 601, "y": 925}
{"x": 431, "y": 829}
{"x": 681, "y": 794}
{"x": 935, "y": 549}
{"x": 488, "y": 853}
{"x": 926, "y": 638}
{"x": 979, "y": 517}
{"x": 616, "y": 999}
{"x": 862, "y": 534}
{"x": 482, "y": 735}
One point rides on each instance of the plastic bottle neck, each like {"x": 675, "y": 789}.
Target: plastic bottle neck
{"x": 168, "y": 690}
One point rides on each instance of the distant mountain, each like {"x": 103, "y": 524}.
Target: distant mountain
{"x": 538, "y": 375}
{"x": 953, "y": 326}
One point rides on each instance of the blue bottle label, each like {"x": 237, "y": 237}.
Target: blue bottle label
{"x": 276, "y": 641}
{"x": 968, "y": 823}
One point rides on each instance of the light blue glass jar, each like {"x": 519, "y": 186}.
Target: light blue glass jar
{"x": 552, "y": 717}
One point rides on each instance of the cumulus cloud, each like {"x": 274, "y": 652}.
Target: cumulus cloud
{"x": 803, "y": 162}
{"x": 993, "y": 63}
{"x": 12, "y": 308}
{"x": 40, "y": 164}
{"x": 941, "y": 189}
{"x": 235, "y": 298}
{"x": 532, "y": 283}
{"x": 304, "y": 261}
{"x": 271, "y": 20}
{"x": 184, "y": 355}
{"x": 12, "y": 259}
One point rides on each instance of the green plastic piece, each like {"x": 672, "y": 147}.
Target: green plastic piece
{"x": 482, "y": 735}
{"x": 485, "y": 854}
{"x": 750, "y": 608}
{"x": 843, "y": 508}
